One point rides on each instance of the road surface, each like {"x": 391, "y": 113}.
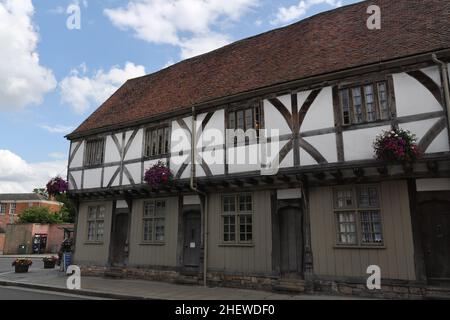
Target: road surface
{"x": 13, "y": 293}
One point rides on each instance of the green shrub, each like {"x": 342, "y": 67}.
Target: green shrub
{"x": 41, "y": 215}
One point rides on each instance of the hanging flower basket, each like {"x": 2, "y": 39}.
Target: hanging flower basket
{"x": 22, "y": 265}
{"x": 158, "y": 175}
{"x": 397, "y": 146}
{"x": 57, "y": 186}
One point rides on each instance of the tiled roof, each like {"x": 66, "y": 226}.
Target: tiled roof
{"x": 22, "y": 197}
{"x": 328, "y": 42}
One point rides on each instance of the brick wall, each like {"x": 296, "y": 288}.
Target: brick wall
{"x": 2, "y": 242}
{"x": 6, "y": 218}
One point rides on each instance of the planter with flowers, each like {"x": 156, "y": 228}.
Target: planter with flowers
{"x": 22, "y": 265}
{"x": 397, "y": 146}
{"x": 50, "y": 262}
{"x": 57, "y": 186}
{"x": 158, "y": 175}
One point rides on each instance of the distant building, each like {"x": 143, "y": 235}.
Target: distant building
{"x": 12, "y": 205}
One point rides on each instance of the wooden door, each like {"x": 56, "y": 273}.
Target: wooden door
{"x": 435, "y": 229}
{"x": 192, "y": 240}
{"x": 119, "y": 238}
{"x": 291, "y": 241}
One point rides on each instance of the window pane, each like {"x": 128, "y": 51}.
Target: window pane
{"x": 240, "y": 120}
{"x": 100, "y": 228}
{"x": 382, "y": 98}
{"x": 347, "y": 228}
{"x": 245, "y": 203}
{"x": 371, "y": 227}
{"x": 160, "y": 208}
{"x": 345, "y": 106}
{"x": 91, "y": 231}
{"x": 229, "y": 204}
{"x": 92, "y": 213}
{"x": 249, "y": 123}
{"x": 357, "y": 104}
{"x": 101, "y": 213}
{"x": 148, "y": 230}
{"x": 370, "y": 103}
{"x": 166, "y": 140}
{"x": 159, "y": 229}
{"x": 232, "y": 120}
{"x": 149, "y": 209}
{"x": 368, "y": 197}
{"x": 229, "y": 223}
{"x": 344, "y": 199}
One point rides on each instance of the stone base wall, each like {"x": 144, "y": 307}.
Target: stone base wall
{"x": 389, "y": 290}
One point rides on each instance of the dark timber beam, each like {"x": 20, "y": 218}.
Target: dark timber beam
{"x": 359, "y": 172}
{"x": 433, "y": 166}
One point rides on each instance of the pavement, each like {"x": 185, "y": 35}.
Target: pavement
{"x": 55, "y": 281}
{"x": 15, "y": 293}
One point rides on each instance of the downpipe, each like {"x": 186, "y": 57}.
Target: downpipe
{"x": 201, "y": 193}
{"x": 445, "y": 82}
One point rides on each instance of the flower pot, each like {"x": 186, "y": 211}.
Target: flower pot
{"x": 21, "y": 269}
{"x": 49, "y": 264}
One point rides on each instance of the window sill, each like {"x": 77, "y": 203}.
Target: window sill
{"x": 358, "y": 247}
{"x": 158, "y": 244}
{"x": 242, "y": 245}
{"x": 94, "y": 243}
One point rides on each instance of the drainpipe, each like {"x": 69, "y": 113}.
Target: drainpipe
{"x": 444, "y": 73}
{"x": 201, "y": 193}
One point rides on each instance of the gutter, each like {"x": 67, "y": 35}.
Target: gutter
{"x": 445, "y": 83}
{"x": 201, "y": 193}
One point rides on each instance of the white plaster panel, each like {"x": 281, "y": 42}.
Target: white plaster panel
{"x": 274, "y": 120}
{"x": 77, "y": 178}
{"x": 135, "y": 171}
{"x": 248, "y": 158}
{"x": 111, "y": 152}
{"x": 358, "y": 144}
{"x": 321, "y": 114}
{"x": 215, "y": 160}
{"x": 326, "y": 145}
{"x": 412, "y": 97}
{"x": 77, "y": 161}
{"x": 92, "y": 178}
{"x": 121, "y": 204}
{"x": 434, "y": 73}
{"x": 288, "y": 162}
{"x": 419, "y": 128}
{"x": 191, "y": 200}
{"x": 440, "y": 144}
{"x": 176, "y": 162}
{"x": 108, "y": 174}
{"x": 125, "y": 180}
{"x": 199, "y": 172}
{"x": 214, "y": 133}
{"x": 135, "y": 150}
{"x": 306, "y": 159}
{"x": 179, "y": 138}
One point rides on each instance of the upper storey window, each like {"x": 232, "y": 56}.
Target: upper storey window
{"x": 94, "y": 153}
{"x": 248, "y": 119}
{"x": 157, "y": 141}
{"x": 367, "y": 103}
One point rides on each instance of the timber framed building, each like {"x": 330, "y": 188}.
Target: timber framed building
{"x": 329, "y": 85}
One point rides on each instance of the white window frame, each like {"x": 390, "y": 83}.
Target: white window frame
{"x": 152, "y": 218}
{"x": 12, "y": 208}
{"x": 100, "y": 212}
{"x": 238, "y": 214}
{"x": 357, "y": 210}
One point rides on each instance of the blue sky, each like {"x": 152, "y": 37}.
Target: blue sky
{"x": 52, "y": 77}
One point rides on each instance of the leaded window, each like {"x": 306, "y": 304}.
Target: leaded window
{"x": 94, "y": 152}
{"x": 157, "y": 141}
{"x": 358, "y": 216}
{"x": 154, "y": 221}
{"x": 96, "y": 223}
{"x": 237, "y": 219}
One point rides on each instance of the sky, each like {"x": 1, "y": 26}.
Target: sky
{"x": 61, "y": 59}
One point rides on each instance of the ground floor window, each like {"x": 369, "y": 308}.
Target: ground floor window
{"x": 358, "y": 215}
{"x": 154, "y": 220}
{"x": 237, "y": 219}
{"x": 96, "y": 223}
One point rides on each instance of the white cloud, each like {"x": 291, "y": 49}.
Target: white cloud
{"x": 16, "y": 175}
{"x": 23, "y": 81}
{"x": 57, "y": 155}
{"x": 82, "y": 92}
{"x": 187, "y": 24}
{"x": 289, "y": 14}
{"x": 59, "y": 129}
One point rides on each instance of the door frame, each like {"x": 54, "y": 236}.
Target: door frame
{"x": 115, "y": 213}
{"x": 183, "y": 211}
{"x": 416, "y": 199}
{"x": 277, "y": 206}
